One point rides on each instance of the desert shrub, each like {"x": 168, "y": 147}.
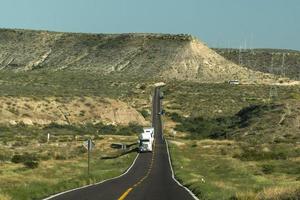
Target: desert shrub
{"x": 79, "y": 150}
{"x": 31, "y": 164}
{"x": 108, "y": 129}
{"x": 175, "y": 117}
{"x": 135, "y": 128}
{"x": 43, "y": 139}
{"x": 27, "y": 106}
{"x": 14, "y": 111}
{"x": 267, "y": 169}
{"x": 17, "y": 158}
{"x": 54, "y": 125}
{"x": 144, "y": 113}
{"x": 63, "y": 129}
{"x": 143, "y": 87}
{"x": 22, "y": 158}
{"x": 203, "y": 128}
{"x": 124, "y": 131}
{"x": 88, "y": 104}
{"x": 60, "y": 157}
{"x": 82, "y": 113}
{"x": 132, "y": 128}
{"x": 199, "y": 127}
{"x": 4, "y": 157}
{"x": 255, "y": 154}
{"x": 20, "y": 143}
{"x": 45, "y": 156}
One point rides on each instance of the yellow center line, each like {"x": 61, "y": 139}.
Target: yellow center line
{"x": 124, "y": 195}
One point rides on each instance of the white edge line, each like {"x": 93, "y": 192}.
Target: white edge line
{"x": 170, "y": 162}
{"x": 71, "y": 190}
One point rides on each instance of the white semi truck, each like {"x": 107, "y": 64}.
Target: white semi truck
{"x": 146, "y": 140}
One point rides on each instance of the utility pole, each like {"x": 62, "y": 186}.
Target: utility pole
{"x": 283, "y": 65}
{"x": 89, "y": 150}
{"x": 273, "y": 89}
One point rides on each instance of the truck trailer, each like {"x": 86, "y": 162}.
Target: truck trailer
{"x": 146, "y": 140}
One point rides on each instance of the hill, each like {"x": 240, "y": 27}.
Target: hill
{"x": 245, "y": 112}
{"x": 160, "y": 56}
{"x": 285, "y": 62}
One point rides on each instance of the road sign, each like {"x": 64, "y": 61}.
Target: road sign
{"x": 86, "y": 144}
{"x": 89, "y": 145}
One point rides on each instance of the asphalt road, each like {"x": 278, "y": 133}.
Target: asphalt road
{"x": 150, "y": 178}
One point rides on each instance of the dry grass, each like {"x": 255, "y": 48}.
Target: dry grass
{"x": 4, "y": 197}
{"x": 276, "y": 193}
{"x": 62, "y": 165}
{"x": 211, "y": 169}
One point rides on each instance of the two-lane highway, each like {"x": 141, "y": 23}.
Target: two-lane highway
{"x": 149, "y": 178}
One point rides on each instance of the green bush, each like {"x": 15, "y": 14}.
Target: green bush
{"x": 254, "y": 154}
{"x": 145, "y": 113}
{"x": 200, "y": 127}
{"x": 132, "y": 128}
{"x": 18, "y": 158}
{"x": 60, "y": 157}
{"x": 108, "y": 129}
{"x": 135, "y": 128}
{"x": 175, "y": 117}
{"x": 4, "y": 157}
{"x": 124, "y": 131}
{"x": 20, "y": 143}
{"x": 267, "y": 169}
{"x": 31, "y": 164}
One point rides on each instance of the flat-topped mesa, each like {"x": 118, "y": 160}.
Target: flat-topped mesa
{"x": 178, "y": 37}
{"x": 154, "y": 55}
{"x": 161, "y": 36}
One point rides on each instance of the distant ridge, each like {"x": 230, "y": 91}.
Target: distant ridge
{"x": 286, "y": 62}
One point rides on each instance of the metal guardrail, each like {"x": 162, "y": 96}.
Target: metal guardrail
{"x": 118, "y": 146}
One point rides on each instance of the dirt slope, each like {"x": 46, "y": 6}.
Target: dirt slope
{"x": 75, "y": 110}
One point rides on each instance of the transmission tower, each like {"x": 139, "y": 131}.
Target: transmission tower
{"x": 273, "y": 93}
{"x": 240, "y": 56}
{"x": 283, "y": 66}
{"x": 253, "y": 74}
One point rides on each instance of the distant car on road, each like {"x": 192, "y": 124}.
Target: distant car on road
{"x": 161, "y": 96}
{"x": 161, "y": 112}
{"x": 234, "y": 82}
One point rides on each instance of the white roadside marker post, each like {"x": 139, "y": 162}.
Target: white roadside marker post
{"x": 174, "y": 133}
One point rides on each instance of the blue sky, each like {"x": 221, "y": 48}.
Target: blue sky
{"x": 221, "y": 23}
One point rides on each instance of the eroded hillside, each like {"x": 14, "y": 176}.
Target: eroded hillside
{"x": 75, "y": 110}
{"x": 161, "y": 56}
